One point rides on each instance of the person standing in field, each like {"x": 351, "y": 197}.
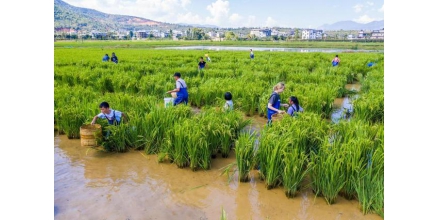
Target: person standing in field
{"x": 273, "y": 107}
{"x": 207, "y": 58}
{"x": 229, "y": 105}
{"x": 294, "y": 106}
{"x": 106, "y": 58}
{"x": 252, "y": 54}
{"x": 336, "y": 61}
{"x": 114, "y": 58}
{"x": 202, "y": 64}
{"x": 181, "y": 89}
{"x": 113, "y": 116}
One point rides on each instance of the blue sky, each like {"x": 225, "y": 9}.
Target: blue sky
{"x": 243, "y": 13}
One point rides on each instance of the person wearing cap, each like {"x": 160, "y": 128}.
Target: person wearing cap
{"x": 207, "y": 58}
{"x": 181, "y": 90}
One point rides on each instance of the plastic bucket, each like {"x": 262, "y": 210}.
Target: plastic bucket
{"x": 168, "y": 102}
{"x": 89, "y": 134}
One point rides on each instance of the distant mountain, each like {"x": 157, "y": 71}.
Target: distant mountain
{"x": 68, "y": 16}
{"x": 351, "y": 25}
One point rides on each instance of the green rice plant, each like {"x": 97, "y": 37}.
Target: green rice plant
{"x": 244, "y": 153}
{"x": 178, "y": 140}
{"x": 69, "y": 120}
{"x": 369, "y": 185}
{"x": 355, "y": 154}
{"x": 295, "y": 169}
{"x": 224, "y": 215}
{"x": 116, "y": 138}
{"x": 370, "y": 107}
{"x": 199, "y": 154}
{"x": 327, "y": 173}
{"x": 158, "y": 122}
{"x": 274, "y": 166}
{"x": 225, "y": 140}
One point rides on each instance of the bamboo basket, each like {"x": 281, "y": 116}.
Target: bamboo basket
{"x": 89, "y": 134}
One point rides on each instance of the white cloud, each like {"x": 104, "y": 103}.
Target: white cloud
{"x": 358, "y": 7}
{"x": 381, "y": 9}
{"x": 234, "y": 18}
{"x": 188, "y": 18}
{"x": 185, "y": 3}
{"x": 370, "y": 3}
{"x": 364, "y": 19}
{"x": 270, "y": 22}
{"x": 251, "y": 21}
{"x": 219, "y": 11}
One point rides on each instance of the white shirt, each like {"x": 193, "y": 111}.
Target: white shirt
{"x": 113, "y": 113}
{"x": 229, "y": 105}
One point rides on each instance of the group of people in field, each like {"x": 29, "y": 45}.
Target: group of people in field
{"x": 180, "y": 94}
{"x": 114, "y": 58}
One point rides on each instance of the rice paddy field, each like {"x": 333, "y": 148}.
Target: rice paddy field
{"x": 199, "y": 162}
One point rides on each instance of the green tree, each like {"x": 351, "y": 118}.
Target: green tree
{"x": 230, "y": 35}
{"x": 296, "y": 33}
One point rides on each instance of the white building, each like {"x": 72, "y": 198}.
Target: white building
{"x": 261, "y": 32}
{"x": 311, "y": 34}
{"x": 377, "y": 34}
{"x": 164, "y": 34}
{"x": 97, "y": 34}
{"x": 362, "y": 34}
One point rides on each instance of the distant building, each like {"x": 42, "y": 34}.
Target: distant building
{"x": 164, "y": 34}
{"x": 177, "y": 33}
{"x": 97, "y": 34}
{"x": 261, "y": 32}
{"x": 362, "y": 34}
{"x": 141, "y": 34}
{"x": 311, "y": 34}
{"x": 377, "y": 34}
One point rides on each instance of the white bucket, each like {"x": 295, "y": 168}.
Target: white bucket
{"x": 168, "y": 102}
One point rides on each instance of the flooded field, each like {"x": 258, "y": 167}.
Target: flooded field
{"x": 343, "y": 107}
{"x": 90, "y": 184}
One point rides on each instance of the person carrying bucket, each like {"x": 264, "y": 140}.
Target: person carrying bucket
{"x": 252, "y": 54}
{"x": 113, "y": 116}
{"x": 336, "y": 61}
{"x": 273, "y": 107}
{"x": 181, "y": 89}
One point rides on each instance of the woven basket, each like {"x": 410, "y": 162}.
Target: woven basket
{"x": 89, "y": 133}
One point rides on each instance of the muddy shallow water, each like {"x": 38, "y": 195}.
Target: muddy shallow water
{"x": 94, "y": 185}
{"x": 343, "y": 107}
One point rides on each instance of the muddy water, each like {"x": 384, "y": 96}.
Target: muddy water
{"x": 343, "y": 107}
{"x": 89, "y": 184}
